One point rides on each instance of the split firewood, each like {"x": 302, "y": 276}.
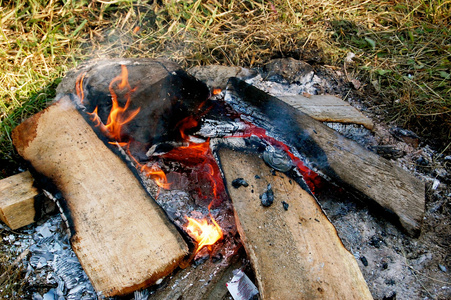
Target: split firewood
{"x": 337, "y": 158}
{"x": 17, "y": 200}
{"x": 122, "y": 238}
{"x": 328, "y": 108}
{"x": 294, "y": 249}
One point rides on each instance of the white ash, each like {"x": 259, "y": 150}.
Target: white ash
{"x": 355, "y": 132}
{"x": 216, "y": 128}
{"x": 308, "y": 84}
{"x": 51, "y": 261}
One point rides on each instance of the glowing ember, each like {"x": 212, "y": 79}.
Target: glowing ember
{"x": 203, "y": 233}
{"x": 311, "y": 178}
{"x": 216, "y": 91}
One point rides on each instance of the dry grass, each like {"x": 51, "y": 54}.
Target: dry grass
{"x": 402, "y": 47}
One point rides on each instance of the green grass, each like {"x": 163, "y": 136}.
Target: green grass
{"x": 402, "y": 47}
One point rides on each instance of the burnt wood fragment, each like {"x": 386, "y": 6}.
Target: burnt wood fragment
{"x": 236, "y": 183}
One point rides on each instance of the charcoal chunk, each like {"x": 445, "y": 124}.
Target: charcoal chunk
{"x": 236, "y": 183}
{"x": 364, "y": 261}
{"x": 285, "y": 205}
{"x": 267, "y": 198}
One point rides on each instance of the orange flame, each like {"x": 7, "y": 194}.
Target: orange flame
{"x": 79, "y": 87}
{"x": 95, "y": 117}
{"x": 185, "y": 124}
{"x": 203, "y": 233}
{"x": 154, "y": 172}
{"x": 119, "y": 116}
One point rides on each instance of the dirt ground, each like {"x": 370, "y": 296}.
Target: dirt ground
{"x": 395, "y": 265}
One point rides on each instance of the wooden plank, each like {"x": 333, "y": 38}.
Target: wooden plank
{"x": 17, "y": 200}
{"x": 339, "y": 159}
{"x": 328, "y": 108}
{"x": 121, "y": 236}
{"x": 296, "y": 253}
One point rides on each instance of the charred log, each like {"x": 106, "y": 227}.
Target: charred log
{"x": 337, "y": 158}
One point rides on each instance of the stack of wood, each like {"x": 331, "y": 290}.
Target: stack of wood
{"x": 124, "y": 240}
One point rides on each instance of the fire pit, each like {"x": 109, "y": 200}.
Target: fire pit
{"x": 173, "y": 134}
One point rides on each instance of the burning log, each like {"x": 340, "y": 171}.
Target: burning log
{"x": 122, "y": 238}
{"x": 163, "y": 95}
{"x": 335, "y": 157}
{"x": 294, "y": 249}
{"x": 17, "y": 200}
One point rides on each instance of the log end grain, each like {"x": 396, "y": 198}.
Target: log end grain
{"x": 17, "y": 201}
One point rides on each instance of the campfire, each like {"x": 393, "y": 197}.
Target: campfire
{"x": 227, "y": 167}
{"x": 190, "y": 153}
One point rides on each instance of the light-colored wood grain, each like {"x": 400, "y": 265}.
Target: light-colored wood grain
{"x": 295, "y": 253}
{"x": 122, "y": 237}
{"x": 328, "y": 108}
{"x": 17, "y": 200}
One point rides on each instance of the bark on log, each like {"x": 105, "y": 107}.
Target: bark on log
{"x": 294, "y": 250}
{"x": 17, "y": 200}
{"x": 121, "y": 236}
{"x": 342, "y": 160}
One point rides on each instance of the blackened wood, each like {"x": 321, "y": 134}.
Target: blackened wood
{"x": 164, "y": 92}
{"x": 340, "y": 159}
{"x": 294, "y": 249}
{"x": 122, "y": 237}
